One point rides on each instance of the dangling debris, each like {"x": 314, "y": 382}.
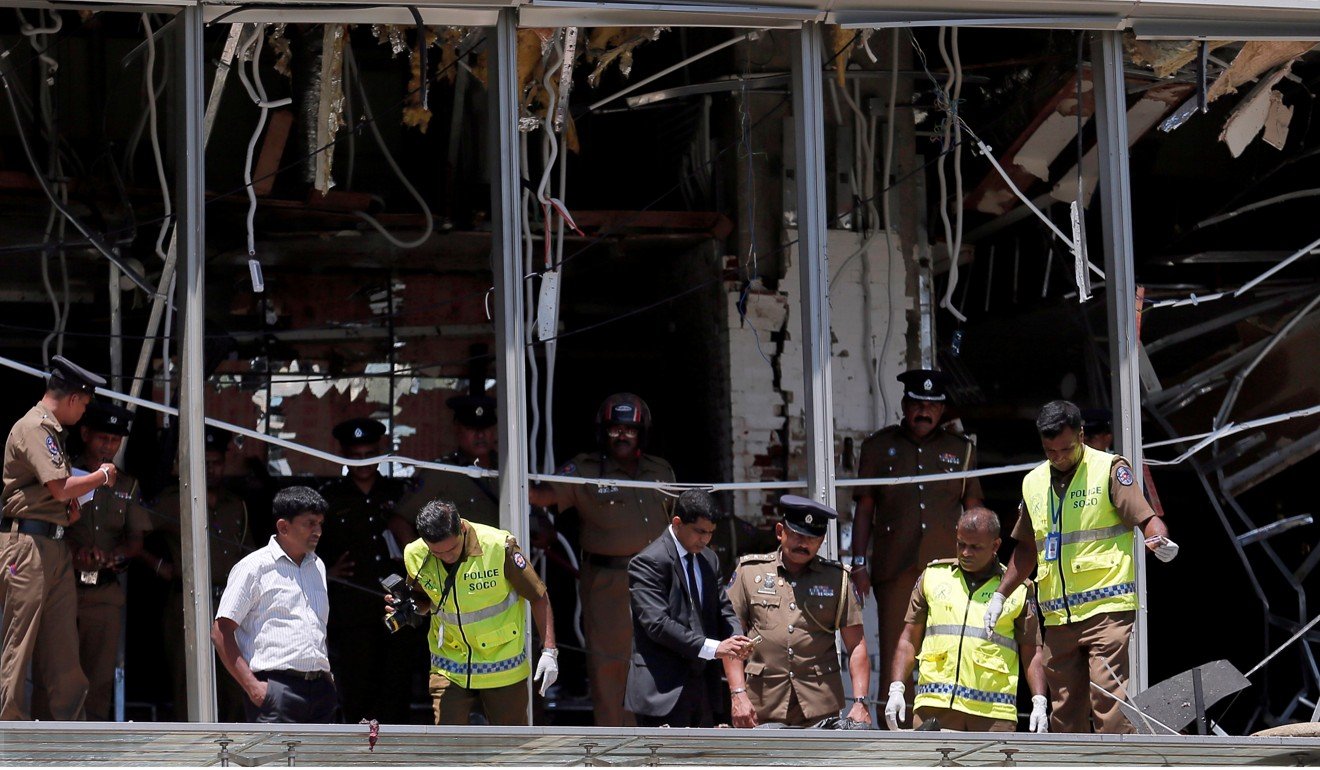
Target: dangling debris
{"x": 330, "y": 104}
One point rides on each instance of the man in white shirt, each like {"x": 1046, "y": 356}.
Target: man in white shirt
{"x": 270, "y": 626}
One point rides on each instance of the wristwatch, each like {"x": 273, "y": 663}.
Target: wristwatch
{"x": 859, "y": 561}
{"x": 859, "y": 699}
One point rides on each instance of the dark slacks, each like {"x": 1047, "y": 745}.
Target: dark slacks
{"x": 291, "y": 698}
{"x": 693, "y": 708}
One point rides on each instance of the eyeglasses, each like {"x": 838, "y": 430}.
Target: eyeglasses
{"x": 616, "y": 431}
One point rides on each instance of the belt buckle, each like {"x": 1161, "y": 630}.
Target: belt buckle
{"x": 59, "y": 533}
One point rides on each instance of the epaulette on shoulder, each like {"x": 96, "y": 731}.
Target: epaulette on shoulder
{"x": 833, "y": 563}
{"x": 888, "y": 429}
{"x": 756, "y": 558}
{"x": 944, "y": 562}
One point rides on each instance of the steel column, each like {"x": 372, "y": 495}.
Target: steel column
{"x": 190, "y": 205}
{"x": 1124, "y": 361}
{"x": 813, "y": 265}
{"x": 507, "y": 266}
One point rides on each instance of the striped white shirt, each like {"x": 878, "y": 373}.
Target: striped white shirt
{"x": 281, "y": 610}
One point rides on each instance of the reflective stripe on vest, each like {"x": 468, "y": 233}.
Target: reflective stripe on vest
{"x": 1074, "y": 600}
{"x": 976, "y": 631}
{"x": 455, "y": 668}
{"x": 960, "y": 691}
{"x": 482, "y": 614}
{"x": 1093, "y": 572}
{"x": 962, "y": 666}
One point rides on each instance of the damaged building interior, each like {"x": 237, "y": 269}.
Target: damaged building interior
{"x": 352, "y": 262}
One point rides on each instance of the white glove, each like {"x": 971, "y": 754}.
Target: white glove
{"x": 547, "y": 669}
{"x": 993, "y": 609}
{"x": 895, "y": 707}
{"x": 1040, "y": 721}
{"x": 1165, "y": 549}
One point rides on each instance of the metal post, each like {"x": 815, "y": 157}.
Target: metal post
{"x": 506, "y": 264}
{"x": 813, "y": 266}
{"x": 190, "y": 203}
{"x": 1116, "y": 225}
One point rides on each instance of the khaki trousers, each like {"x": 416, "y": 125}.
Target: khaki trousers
{"x": 436, "y": 685}
{"x": 892, "y": 598}
{"x": 40, "y": 622}
{"x": 952, "y": 719}
{"x": 607, "y": 623}
{"x": 504, "y": 706}
{"x": 1077, "y": 654}
{"x": 100, "y": 618}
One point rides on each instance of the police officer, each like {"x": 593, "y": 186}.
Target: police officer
{"x": 373, "y": 672}
{"x": 617, "y": 523}
{"x": 968, "y": 678}
{"x": 478, "y": 499}
{"x": 1074, "y": 527}
{"x": 909, "y": 525}
{"x": 478, "y": 582}
{"x": 41, "y": 493}
{"x": 795, "y": 601}
{"x": 231, "y": 539}
{"x": 108, "y": 534}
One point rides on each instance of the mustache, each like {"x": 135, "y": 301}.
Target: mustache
{"x": 923, "y": 418}
{"x": 801, "y": 550}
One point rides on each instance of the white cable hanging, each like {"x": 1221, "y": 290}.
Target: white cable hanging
{"x": 167, "y": 203}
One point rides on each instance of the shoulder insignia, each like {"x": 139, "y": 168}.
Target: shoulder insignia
{"x": 56, "y": 455}
{"x": 519, "y": 561}
{"x": 567, "y": 469}
{"x": 1124, "y": 475}
{"x": 831, "y": 562}
{"x": 756, "y": 558}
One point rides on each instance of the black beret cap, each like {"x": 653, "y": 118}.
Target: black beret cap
{"x": 473, "y": 411}
{"x": 805, "y": 516}
{"x": 1096, "y": 421}
{"x": 925, "y": 384}
{"x": 360, "y": 430}
{"x": 73, "y": 376}
{"x": 105, "y": 417}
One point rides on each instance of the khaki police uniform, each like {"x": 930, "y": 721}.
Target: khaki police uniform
{"x": 375, "y": 684}
{"x": 477, "y": 499}
{"x": 1094, "y": 649}
{"x": 40, "y": 603}
{"x": 231, "y": 540}
{"x": 112, "y": 518}
{"x": 793, "y": 675}
{"x": 617, "y": 523}
{"x": 911, "y": 524}
{"x": 1026, "y": 631}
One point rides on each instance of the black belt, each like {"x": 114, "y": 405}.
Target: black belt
{"x": 310, "y": 676}
{"x": 608, "y": 562}
{"x": 34, "y": 527}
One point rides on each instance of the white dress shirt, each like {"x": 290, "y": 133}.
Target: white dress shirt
{"x": 709, "y": 647}
{"x": 281, "y": 609}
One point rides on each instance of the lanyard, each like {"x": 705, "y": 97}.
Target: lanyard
{"x": 1056, "y": 514}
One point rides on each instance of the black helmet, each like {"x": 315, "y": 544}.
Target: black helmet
{"x": 623, "y": 409}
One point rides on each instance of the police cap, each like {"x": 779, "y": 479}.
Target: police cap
{"x": 473, "y": 411}
{"x": 105, "y": 417}
{"x": 359, "y": 430}
{"x": 1097, "y": 421}
{"x": 925, "y": 384}
{"x": 806, "y": 517}
{"x": 217, "y": 439}
{"x": 73, "y": 377}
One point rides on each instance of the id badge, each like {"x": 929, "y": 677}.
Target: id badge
{"x": 1052, "y": 546}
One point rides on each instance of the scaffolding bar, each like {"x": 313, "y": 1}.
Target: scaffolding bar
{"x": 506, "y": 264}
{"x": 1116, "y": 227}
{"x": 190, "y": 203}
{"x": 813, "y": 265}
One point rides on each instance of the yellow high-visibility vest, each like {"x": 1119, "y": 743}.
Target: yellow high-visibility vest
{"x": 962, "y": 666}
{"x": 481, "y": 641}
{"x": 1092, "y": 572}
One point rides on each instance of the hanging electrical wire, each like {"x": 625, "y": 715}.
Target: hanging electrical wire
{"x": 166, "y": 198}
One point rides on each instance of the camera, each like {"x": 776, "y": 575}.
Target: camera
{"x": 405, "y": 606}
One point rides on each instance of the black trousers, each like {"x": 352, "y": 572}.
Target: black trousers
{"x": 291, "y": 698}
{"x": 693, "y": 708}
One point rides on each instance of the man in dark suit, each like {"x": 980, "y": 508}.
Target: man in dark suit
{"x": 680, "y": 615}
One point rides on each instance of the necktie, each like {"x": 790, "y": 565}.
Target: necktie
{"x": 693, "y": 585}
